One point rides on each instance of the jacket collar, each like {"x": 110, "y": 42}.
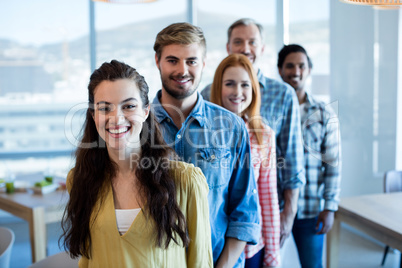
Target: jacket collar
{"x": 198, "y": 112}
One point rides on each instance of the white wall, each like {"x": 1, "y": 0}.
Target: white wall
{"x": 364, "y": 81}
{"x": 399, "y": 102}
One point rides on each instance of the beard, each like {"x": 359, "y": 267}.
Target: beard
{"x": 180, "y": 92}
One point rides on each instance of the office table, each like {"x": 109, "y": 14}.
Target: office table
{"x": 37, "y": 210}
{"x": 378, "y": 215}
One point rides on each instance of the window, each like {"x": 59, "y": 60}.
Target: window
{"x": 127, "y": 32}
{"x": 215, "y": 17}
{"x": 45, "y": 69}
{"x": 309, "y": 27}
{"x": 45, "y": 61}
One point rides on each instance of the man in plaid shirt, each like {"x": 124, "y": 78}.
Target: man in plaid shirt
{"x": 319, "y": 198}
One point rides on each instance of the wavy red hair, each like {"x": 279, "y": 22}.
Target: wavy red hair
{"x": 252, "y": 113}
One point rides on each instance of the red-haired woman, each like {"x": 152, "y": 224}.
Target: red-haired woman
{"x": 236, "y": 88}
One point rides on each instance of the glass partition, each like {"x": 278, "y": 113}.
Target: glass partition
{"x": 309, "y": 27}
{"x": 215, "y": 17}
{"x": 44, "y": 68}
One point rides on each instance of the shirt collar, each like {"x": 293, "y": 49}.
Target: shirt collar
{"x": 260, "y": 76}
{"x": 310, "y": 102}
{"x": 198, "y": 112}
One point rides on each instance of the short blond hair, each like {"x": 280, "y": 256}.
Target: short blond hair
{"x": 182, "y": 33}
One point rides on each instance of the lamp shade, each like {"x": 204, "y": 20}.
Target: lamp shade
{"x": 378, "y": 4}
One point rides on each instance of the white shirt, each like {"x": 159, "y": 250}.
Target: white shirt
{"x": 124, "y": 219}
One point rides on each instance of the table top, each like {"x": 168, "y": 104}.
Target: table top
{"x": 383, "y": 210}
{"x": 31, "y": 200}
{"x": 28, "y": 199}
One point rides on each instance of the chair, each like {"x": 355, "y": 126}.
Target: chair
{"x": 7, "y": 238}
{"x": 392, "y": 183}
{"x": 61, "y": 260}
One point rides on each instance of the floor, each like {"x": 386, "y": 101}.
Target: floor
{"x": 21, "y": 256}
{"x": 357, "y": 250}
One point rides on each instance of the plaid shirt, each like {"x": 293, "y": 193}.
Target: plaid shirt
{"x": 264, "y": 162}
{"x": 322, "y": 157}
{"x": 280, "y": 107}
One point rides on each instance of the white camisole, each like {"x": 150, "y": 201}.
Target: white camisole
{"x": 124, "y": 218}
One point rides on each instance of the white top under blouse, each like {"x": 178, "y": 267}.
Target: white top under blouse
{"x": 124, "y": 219}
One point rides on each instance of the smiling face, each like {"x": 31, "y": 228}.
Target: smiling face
{"x": 181, "y": 68}
{"x": 246, "y": 40}
{"x": 236, "y": 90}
{"x": 295, "y": 70}
{"x": 119, "y": 113}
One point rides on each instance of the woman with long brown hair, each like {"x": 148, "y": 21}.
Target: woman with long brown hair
{"x": 130, "y": 206}
{"x": 236, "y": 88}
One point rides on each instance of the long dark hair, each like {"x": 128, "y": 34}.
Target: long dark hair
{"x": 94, "y": 170}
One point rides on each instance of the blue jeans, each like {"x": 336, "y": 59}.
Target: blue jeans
{"x": 309, "y": 244}
{"x": 256, "y": 261}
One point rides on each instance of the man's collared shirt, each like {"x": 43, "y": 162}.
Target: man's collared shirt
{"x": 217, "y": 141}
{"x": 322, "y": 154}
{"x": 280, "y": 110}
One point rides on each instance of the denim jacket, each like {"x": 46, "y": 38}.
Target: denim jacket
{"x": 217, "y": 141}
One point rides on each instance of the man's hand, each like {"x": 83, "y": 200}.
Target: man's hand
{"x": 288, "y": 214}
{"x": 326, "y": 218}
{"x": 286, "y": 226}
